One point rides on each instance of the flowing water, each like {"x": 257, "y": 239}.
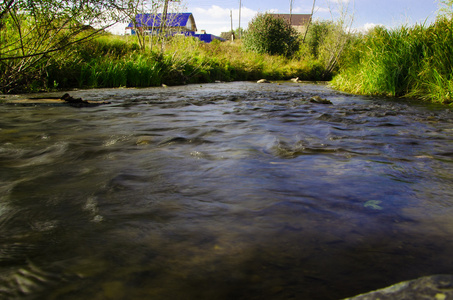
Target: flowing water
{"x": 223, "y": 191}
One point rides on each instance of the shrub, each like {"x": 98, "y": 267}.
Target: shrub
{"x": 271, "y": 35}
{"x": 316, "y": 35}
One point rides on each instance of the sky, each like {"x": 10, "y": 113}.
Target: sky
{"x": 214, "y": 15}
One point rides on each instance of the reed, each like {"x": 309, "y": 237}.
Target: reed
{"x": 404, "y": 62}
{"x": 435, "y": 79}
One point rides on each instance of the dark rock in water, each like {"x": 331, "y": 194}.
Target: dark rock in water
{"x": 436, "y": 287}
{"x": 78, "y": 102}
{"x": 319, "y": 100}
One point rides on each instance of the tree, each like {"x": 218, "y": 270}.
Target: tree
{"x": 32, "y": 31}
{"x": 139, "y": 12}
{"x": 317, "y": 35}
{"x": 271, "y": 35}
{"x": 337, "y": 37}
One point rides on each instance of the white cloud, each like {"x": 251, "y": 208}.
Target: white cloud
{"x": 214, "y": 12}
{"x": 367, "y": 27}
{"x": 216, "y": 19}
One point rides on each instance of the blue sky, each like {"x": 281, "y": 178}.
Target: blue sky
{"x": 214, "y": 15}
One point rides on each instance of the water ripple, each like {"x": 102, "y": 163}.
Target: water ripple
{"x": 223, "y": 191}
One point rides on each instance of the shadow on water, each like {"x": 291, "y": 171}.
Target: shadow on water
{"x": 223, "y": 191}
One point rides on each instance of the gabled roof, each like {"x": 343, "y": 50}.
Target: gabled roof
{"x": 155, "y": 20}
{"x": 296, "y": 19}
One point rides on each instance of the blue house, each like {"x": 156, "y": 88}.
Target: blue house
{"x": 175, "y": 23}
{"x": 152, "y": 23}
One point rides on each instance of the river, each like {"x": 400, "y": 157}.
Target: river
{"x": 223, "y": 191}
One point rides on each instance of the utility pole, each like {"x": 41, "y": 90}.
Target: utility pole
{"x": 232, "y": 32}
{"x": 290, "y": 11}
{"x": 240, "y": 31}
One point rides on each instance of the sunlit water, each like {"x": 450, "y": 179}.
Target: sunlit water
{"x": 223, "y": 191}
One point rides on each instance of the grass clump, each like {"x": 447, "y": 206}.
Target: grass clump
{"x": 435, "y": 77}
{"x": 403, "y": 62}
{"x": 107, "y": 61}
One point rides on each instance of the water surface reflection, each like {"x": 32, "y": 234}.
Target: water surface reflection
{"x": 222, "y": 191}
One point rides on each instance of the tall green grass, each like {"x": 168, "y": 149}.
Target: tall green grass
{"x": 105, "y": 62}
{"x": 435, "y": 79}
{"x": 113, "y": 61}
{"x": 408, "y": 61}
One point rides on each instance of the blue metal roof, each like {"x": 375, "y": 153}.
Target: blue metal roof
{"x": 204, "y": 37}
{"x": 155, "y": 20}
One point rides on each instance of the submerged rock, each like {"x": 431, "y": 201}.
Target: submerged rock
{"x": 144, "y": 140}
{"x": 373, "y": 204}
{"x": 319, "y": 100}
{"x": 436, "y": 287}
{"x": 78, "y": 102}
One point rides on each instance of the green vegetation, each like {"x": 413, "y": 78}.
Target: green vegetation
{"x": 113, "y": 61}
{"x": 33, "y": 31}
{"x": 410, "y": 62}
{"x": 119, "y": 61}
{"x": 271, "y": 35}
{"x": 325, "y": 43}
{"x": 43, "y": 46}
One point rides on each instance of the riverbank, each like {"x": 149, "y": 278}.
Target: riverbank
{"x": 408, "y": 62}
{"x": 411, "y": 62}
{"x": 116, "y": 61}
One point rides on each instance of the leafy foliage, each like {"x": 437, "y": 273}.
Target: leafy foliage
{"x": 271, "y": 35}
{"x": 33, "y": 31}
{"x": 316, "y": 36}
{"x": 327, "y": 43}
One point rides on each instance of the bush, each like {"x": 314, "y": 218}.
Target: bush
{"x": 270, "y": 35}
{"x": 316, "y": 35}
